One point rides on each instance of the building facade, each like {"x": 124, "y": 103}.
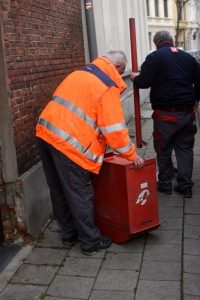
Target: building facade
{"x": 160, "y": 17}
{"x": 40, "y": 43}
{"x": 188, "y": 37}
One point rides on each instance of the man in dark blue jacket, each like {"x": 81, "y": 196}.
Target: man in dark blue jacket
{"x": 174, "y": 78}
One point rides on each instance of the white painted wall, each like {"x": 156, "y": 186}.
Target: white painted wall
{"x": 112, "y": 32}
{"x": 112, "y": 26}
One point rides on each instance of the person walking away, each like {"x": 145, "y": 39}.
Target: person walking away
{"x": 174, "y": 78}
{"x": 84, "y": 115}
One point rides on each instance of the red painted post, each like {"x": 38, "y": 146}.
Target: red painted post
{"x": 139, "y": 141}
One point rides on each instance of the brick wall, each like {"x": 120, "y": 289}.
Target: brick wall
{"x": 42, "y": 43}
{"x": 1, "y": 175}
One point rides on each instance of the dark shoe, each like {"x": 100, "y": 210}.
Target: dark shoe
{"x": 69, "y": 241}
{"x": 187, "y": 192}
{"x": 104, "y": 243}
{"x": 163, "y": 190}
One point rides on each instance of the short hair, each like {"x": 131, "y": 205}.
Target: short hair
{"x": 116, "y": 57}
{"x": 162, "y": 36}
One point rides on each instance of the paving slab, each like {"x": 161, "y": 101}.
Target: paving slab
{"x": 34, "y": 274}
{"x": 135, "y": 245}
{"x": 116, "y": 280}
{"x": 192, "y": 232}
{"x": 193, "y": 220}
{"x": 158, "y": 290}
{"x": 58, "y": 298}
{"x": 111, "y": 295}
{"x": 170, "y": 212}
{"x": 170, "y": 223}
{"x": 122, "y": 261}
{"x": 163, "y": 252}
{"x": 71, "y": 287}
{"x": 191, "y": 264}
{"x": 159, "y": 270}
{"x": 22, "y": 292}
{"x": 192, "y": 208}
{"x": 173, "y": 201}
{"x": 192, "y": 246}
{"x": 189, "y": 297}
{"x": 165, "y": 237}
{"x": 80, "y": 267}
{"x": 45, "y": 256}
{"x": 191, "y": 284}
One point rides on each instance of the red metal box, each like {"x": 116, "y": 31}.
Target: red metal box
{"x": 126, "y": 202}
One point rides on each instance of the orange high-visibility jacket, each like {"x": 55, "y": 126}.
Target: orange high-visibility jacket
{"x": 85, "y": 114}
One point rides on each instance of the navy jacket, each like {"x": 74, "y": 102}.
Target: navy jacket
{"x": 173, "y": 75}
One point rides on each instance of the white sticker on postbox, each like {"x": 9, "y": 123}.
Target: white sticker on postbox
{"x": 144, "y": 185}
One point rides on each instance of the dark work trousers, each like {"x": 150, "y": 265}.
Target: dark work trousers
{"x": 71, "y": 194}
{"x": 174, "y": 131}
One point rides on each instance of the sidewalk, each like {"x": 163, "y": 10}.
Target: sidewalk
{"x": 161, "y": 265}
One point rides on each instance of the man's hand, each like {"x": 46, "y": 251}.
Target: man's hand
{"x": 133, "y": 75}
{"x": 138, "y": 162}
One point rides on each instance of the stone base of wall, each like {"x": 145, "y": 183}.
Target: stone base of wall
{"x": 27, "y": 205}
{"x": 37, "y": 200}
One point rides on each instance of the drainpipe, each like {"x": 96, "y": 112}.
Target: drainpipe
{"x": 91, "y": 32}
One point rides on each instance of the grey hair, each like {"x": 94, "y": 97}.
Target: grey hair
{"x": 162, "y": 36}
{"x": 116, "y": 57}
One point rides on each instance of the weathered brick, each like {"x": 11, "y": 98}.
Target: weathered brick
{"x": 43, "y": 42}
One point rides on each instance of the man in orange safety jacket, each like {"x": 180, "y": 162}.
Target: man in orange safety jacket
{"x": 84, "y": 115}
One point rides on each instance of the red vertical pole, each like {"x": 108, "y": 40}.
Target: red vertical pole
{"x": 135, "y": 89}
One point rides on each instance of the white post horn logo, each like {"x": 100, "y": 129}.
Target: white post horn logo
{"x": 142, "y": 198}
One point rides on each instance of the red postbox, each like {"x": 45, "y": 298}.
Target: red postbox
{"x": 126, "y": 203}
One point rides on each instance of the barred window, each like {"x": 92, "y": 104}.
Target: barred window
{"x": 166, "y": 8}
{"x": 156, "y": 8}
{"x": 148, "y": 10}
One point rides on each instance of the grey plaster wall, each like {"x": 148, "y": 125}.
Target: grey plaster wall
{"x": 36, "y": 199}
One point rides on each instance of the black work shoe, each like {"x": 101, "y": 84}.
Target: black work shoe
{"x": 104, "y": 243}
{"x": 69, "y": 241}
{"x": 167, "y": 191}
{"x": 187, "y": 192}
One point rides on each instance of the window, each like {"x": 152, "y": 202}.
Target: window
{"x": 166, "y": 8}
{"x": 183, "y": 15}
{"x": 148, "y": 11}
{"x": 156, "y": 8}
{"x": 150, "y": 44}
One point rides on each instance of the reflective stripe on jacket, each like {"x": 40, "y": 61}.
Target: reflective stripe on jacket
{"x": 85, "y": 114}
